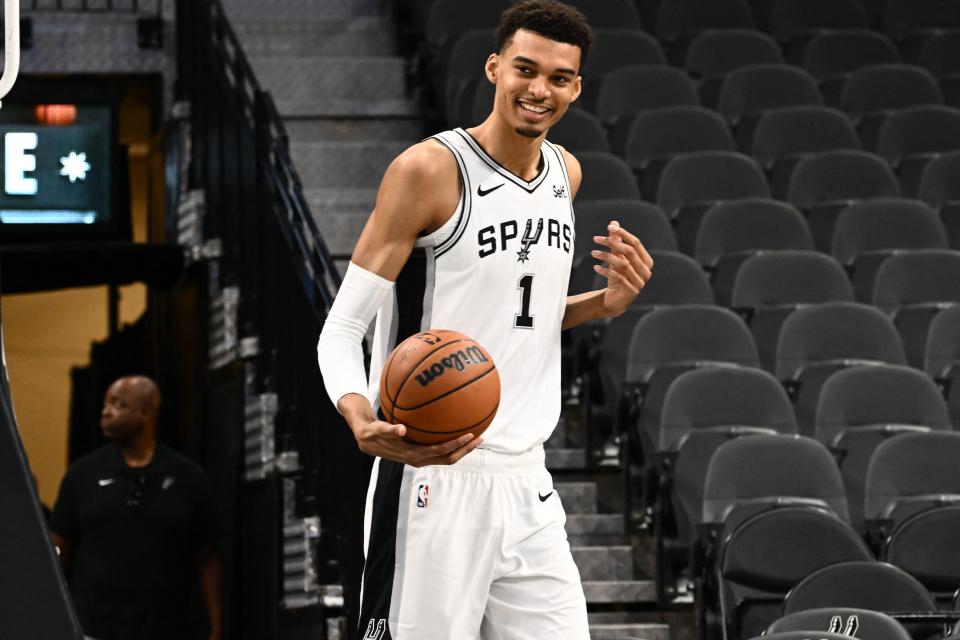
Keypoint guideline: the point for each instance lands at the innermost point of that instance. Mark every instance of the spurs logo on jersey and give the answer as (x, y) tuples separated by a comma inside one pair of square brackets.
[(497, 271), (850, 629), (375, 629)]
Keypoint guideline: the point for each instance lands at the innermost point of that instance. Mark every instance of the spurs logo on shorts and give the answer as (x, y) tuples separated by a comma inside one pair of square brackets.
[(375, 629)]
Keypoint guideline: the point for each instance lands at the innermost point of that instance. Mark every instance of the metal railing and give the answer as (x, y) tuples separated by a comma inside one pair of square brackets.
[(94, 6)]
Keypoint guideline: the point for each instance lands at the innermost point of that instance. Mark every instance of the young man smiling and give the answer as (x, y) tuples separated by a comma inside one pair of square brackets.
[(473, 231)]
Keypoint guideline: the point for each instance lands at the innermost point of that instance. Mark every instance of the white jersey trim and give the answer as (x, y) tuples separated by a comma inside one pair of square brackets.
[(527, 185)]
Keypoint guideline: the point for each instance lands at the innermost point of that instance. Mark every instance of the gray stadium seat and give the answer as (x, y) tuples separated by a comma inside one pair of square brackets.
[(609, 14), (903, 18), (793, 19), (731, 232), (940, 189), (767, 555), (847, 621), (749, 90), (877, 586), (642, 219), (716, 52), (837, 53), (914, 286), (653, 137), (910, 138), (942, 357), (818, 340), (615, 49), (681, 17), (630, 90), (448, 19), (579, 131), (868, 232), (824, 184), (770, 286), (940, 54), (693, 182), (860, 407), (465, 66), (910, 473), (925, 546), (782, 137), (784, 469), (605, 177)]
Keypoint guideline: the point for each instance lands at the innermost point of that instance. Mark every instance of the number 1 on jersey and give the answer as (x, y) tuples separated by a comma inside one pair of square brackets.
[(524, 320)]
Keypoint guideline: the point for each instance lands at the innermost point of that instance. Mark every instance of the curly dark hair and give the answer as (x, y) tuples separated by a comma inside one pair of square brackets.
[(549, 18)]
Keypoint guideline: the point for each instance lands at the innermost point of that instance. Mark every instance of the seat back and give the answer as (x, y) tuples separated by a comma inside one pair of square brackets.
[(939, 183), (903, 16), (840, 52), (673, 130), (790, 277), (943, 342), (800, 130), (642, 219), (605, 177), (886, 223), (918, 130), (750, 225), (925, 546), (917, 277), (876, 586), (760, 87), (629, 90), (579, 131), (676, 17), (841, 175), (884, 87), (709, 176), (794, 17), (851, 622), (719, 51), (616, 48)]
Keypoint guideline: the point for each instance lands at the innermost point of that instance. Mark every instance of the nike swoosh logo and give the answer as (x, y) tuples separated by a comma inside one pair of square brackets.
[(481, 192), (544, 498), (105, 481)]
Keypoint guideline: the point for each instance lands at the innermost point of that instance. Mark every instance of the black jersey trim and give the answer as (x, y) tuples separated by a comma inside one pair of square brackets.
[(566, 176), (527, 185), (411, 286), (466, 207)]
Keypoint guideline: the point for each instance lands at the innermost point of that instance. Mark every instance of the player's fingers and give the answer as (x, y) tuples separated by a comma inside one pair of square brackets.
[(454, 456), (633, 241), (446, 448), (613, 277), (633, 271), (387, 430)]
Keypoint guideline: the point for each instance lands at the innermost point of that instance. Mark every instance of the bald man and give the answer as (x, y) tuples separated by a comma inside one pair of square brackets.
[(135, 526)]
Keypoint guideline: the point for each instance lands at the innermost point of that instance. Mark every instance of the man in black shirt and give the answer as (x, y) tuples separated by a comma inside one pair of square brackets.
[(135, 526)]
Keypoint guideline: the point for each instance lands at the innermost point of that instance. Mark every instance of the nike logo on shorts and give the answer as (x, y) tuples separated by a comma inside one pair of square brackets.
[(105, 481), (544, 498)]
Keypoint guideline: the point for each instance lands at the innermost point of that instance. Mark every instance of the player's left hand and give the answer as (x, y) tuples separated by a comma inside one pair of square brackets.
[(628, 267)]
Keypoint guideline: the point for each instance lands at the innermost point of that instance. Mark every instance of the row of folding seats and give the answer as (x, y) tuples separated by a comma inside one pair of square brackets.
[(441, 21)]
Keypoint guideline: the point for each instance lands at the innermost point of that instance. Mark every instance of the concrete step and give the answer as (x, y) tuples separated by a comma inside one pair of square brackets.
[(336, 86), (410, 130), (620, 591), (560, 459), (581, 524), (299, 9), (651, 631), (349, 165), (577, 497), (340, 231), (604, 563), (357, 37)]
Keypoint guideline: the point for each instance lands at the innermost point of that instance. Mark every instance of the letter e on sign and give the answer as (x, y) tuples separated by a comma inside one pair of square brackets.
[(17, 162)]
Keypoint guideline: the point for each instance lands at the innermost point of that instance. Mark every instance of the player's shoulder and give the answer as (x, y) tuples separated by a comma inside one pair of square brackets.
[(425, 161), (573, 166)]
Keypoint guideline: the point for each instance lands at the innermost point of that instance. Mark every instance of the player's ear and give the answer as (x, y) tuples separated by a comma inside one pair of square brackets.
[(492, 67), (577, 88)]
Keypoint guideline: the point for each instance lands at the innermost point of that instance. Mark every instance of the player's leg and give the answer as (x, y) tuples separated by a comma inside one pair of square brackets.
[(536, 594)]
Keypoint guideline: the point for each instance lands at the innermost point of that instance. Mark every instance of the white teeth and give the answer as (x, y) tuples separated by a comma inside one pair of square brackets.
[(533, 108)]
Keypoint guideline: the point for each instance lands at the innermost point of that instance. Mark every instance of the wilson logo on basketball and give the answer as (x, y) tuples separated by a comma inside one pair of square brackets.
[(458, 360)]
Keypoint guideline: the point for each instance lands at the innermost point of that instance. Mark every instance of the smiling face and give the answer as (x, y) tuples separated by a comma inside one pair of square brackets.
[(537, 79)]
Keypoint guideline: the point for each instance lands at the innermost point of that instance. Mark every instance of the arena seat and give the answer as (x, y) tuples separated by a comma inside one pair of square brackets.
[(609, 14), (733, 231), (579, 131), (642, 219), (676, 18), (818, 340), (876, 586), (615, 49), (630, 90), (910, 138), (605, 177), (910, 473), (782, 137), (925, 547), (940, 189), (654, 137), (860, 407), (942, 357), (830, 56), (940, 55), (848, 621), (693, 182), (823, 184), (799, 20), (748, 90), (868, 232), (770, 286), (918, 19), (914, 286), (448, 19), (872, 93), (464, 67), (716, 52), (768, 554)]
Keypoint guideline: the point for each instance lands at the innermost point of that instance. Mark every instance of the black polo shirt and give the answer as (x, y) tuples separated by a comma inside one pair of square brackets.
[(136, 533)]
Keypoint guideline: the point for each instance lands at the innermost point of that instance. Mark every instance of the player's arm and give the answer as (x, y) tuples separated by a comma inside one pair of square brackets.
[(418, 193), (627, 268)]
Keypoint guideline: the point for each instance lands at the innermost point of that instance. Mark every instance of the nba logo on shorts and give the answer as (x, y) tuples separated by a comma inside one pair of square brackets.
[(423, 491)]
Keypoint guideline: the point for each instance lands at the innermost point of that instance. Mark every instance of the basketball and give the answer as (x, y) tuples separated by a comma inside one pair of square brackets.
[(440, 384)]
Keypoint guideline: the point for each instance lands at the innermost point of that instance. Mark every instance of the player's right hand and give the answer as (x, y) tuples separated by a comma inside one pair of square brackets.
[(378, 438)]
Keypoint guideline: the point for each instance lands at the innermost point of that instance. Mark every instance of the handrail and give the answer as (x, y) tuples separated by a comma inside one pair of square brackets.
[(11, 40)]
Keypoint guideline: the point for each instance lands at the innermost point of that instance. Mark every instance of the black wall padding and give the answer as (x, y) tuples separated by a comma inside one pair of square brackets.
[(34, 602)]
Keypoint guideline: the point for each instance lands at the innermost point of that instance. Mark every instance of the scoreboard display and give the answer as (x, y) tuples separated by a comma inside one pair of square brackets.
[(57, 164)]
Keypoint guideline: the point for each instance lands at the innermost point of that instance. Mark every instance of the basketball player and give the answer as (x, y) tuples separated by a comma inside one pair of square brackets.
[(473, 231)]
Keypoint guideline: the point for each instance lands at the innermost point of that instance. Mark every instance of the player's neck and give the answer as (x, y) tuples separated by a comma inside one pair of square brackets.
[(139, 451), (516, 153)]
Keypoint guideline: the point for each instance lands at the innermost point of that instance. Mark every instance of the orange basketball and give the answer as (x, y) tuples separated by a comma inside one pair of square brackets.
[(440, 384)]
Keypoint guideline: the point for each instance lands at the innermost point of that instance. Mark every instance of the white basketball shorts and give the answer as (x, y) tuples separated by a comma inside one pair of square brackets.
[(475, 550)]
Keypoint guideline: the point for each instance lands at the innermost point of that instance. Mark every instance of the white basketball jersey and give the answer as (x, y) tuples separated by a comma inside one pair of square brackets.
[(497, 271)]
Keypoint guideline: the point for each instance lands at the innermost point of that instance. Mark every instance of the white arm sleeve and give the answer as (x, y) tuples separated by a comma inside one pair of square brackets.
[(339, 350)]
